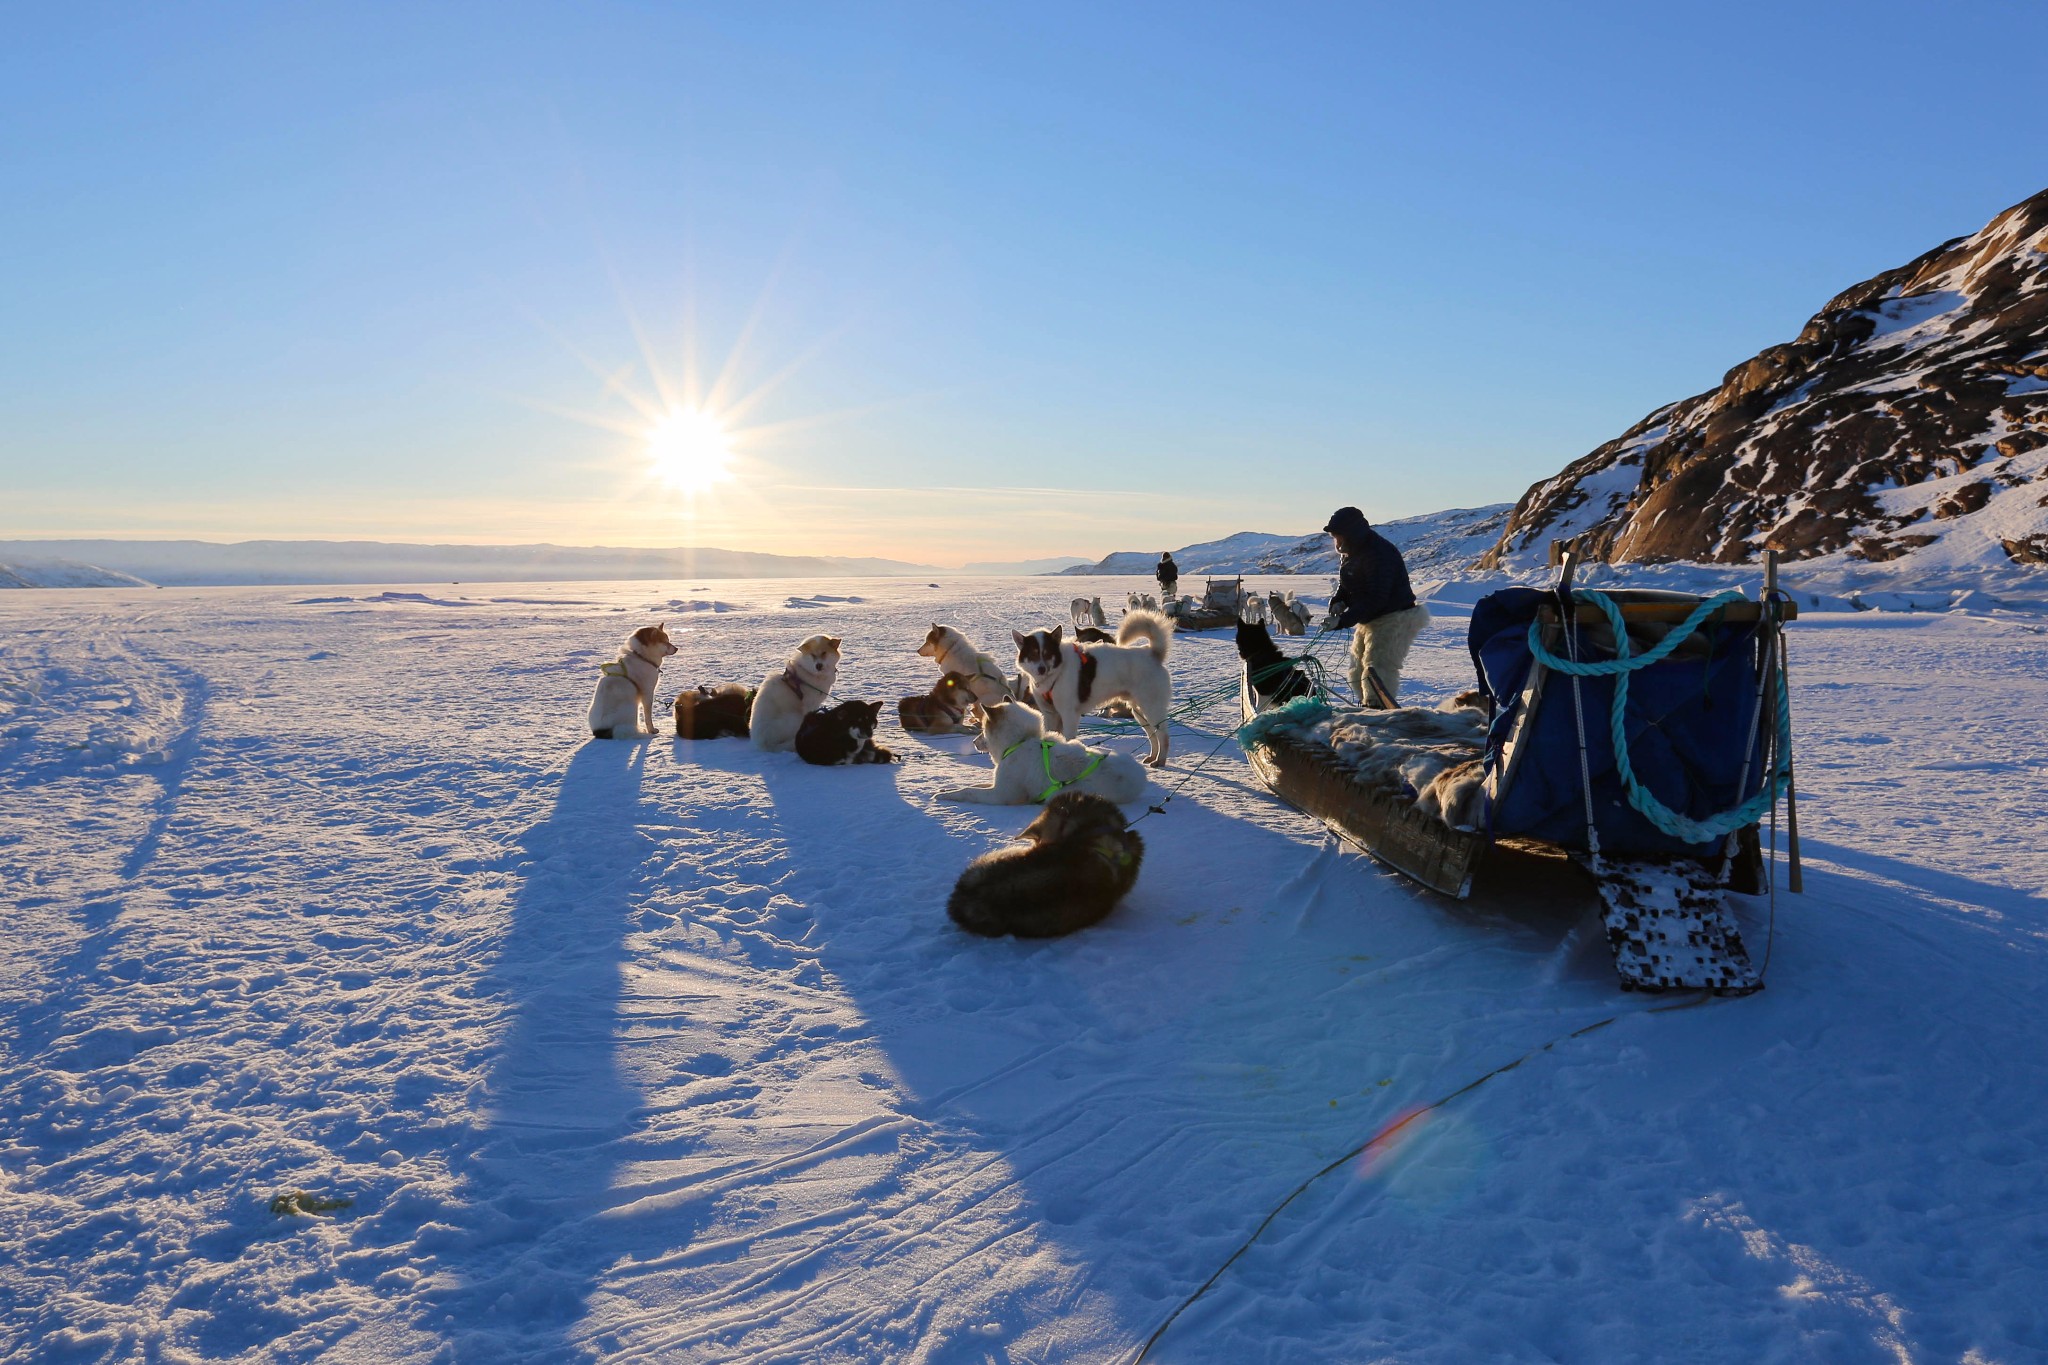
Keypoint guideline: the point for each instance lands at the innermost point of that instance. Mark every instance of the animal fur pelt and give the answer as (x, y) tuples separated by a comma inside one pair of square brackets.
[(714, 711), (1077, 861), (1434, 754), (842, 734)]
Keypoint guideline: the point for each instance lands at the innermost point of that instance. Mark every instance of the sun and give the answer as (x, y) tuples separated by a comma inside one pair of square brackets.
[(690, 450)]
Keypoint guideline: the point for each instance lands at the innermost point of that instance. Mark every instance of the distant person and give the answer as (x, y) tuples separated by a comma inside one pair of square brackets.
[(1373, 595), (1169, 578)]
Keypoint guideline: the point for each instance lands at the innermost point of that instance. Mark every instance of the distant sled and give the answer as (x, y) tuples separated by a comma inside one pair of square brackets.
[(1664, 821)]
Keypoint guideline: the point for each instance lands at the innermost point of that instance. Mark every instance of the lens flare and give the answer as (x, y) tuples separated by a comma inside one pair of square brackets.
[(1377, 1160)]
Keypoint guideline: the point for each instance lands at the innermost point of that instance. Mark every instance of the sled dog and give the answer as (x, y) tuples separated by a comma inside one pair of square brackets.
[(1086, 611), (1034, 766), (713, 711), (950, 650), (625, 686), (841, 734), (1252, 609), (792, 692), (1274, 677), (1287, 613), (1068, 681), (941, 711), (1076, 861)]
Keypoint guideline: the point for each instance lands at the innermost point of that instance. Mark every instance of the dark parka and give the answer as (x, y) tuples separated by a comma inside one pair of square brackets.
[(1169, 572), (1372, 579)]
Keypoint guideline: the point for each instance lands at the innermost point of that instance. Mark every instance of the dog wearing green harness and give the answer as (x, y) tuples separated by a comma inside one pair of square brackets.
[(1032, 767), (1075, 862)]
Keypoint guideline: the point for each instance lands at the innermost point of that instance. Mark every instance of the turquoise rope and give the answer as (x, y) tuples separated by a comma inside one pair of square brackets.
[(1619, 667)]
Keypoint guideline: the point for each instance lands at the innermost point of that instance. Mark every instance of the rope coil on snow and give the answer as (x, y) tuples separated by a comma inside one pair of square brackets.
[(1624, 663)]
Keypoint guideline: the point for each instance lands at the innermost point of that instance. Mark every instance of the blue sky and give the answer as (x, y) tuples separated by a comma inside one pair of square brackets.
[(994, 281)]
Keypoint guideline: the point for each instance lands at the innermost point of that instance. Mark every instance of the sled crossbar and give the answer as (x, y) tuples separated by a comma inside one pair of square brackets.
[(1673, 612)]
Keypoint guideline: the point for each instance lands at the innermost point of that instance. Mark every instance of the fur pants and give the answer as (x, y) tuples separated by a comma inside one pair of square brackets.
[(1383, 644)]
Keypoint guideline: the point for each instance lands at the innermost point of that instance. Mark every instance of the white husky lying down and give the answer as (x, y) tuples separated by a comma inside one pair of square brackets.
[(1032, 766)]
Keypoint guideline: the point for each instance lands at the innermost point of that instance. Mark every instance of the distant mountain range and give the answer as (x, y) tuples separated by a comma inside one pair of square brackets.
[(195, 563), (1906, 426), (1438, 543), (1048, 564)]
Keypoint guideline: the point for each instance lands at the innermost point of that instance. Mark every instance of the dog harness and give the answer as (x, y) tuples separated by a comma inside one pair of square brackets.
[(796, 684), (1112, 850), (1053, 785), (614, 669)]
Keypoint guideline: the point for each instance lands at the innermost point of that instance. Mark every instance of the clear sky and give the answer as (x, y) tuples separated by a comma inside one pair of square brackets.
[(967, 281)]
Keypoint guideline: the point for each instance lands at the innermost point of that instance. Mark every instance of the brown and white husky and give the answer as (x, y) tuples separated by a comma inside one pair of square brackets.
[(625, 687)]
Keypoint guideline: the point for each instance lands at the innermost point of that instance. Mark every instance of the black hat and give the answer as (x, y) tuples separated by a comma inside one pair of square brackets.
[(1347, 521)]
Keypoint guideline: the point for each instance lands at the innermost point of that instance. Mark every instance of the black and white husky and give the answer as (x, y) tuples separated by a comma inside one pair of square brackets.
[(842, 734), (1077, 861), (1068, 681)]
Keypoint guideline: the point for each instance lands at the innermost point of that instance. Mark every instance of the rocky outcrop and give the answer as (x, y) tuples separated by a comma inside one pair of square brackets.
[(1908, 418)]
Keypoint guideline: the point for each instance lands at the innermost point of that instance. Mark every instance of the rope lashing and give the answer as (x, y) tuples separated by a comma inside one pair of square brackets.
[(1624, 663)]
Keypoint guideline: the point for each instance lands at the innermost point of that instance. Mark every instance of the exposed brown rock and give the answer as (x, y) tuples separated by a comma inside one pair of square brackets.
[(1905, 378), (1971, 497), (2027, 550)]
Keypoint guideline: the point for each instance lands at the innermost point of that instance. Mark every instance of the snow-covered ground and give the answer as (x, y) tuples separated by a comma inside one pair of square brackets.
[(665, 1051)]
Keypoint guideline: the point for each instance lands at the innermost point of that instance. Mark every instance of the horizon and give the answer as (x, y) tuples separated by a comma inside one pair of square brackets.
[(929, 286)]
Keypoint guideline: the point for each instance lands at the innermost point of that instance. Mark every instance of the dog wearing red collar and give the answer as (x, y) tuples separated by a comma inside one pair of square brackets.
[(792, 692), (1068, 681)]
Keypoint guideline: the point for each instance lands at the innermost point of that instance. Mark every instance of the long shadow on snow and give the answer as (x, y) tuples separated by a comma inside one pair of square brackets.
[(526, 1263), (1034, 1066)]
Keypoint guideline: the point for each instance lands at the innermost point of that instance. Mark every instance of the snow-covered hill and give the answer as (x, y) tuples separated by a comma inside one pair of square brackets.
[(1906, 426), (1436, 543), (64, 573)]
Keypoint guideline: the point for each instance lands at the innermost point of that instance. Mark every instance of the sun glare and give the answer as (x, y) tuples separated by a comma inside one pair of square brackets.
[(690, 450)]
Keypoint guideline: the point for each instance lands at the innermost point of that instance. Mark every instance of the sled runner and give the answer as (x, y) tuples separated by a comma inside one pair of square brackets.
[(1637, 731)]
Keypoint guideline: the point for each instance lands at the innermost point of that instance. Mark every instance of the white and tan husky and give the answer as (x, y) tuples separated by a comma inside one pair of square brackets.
[(1032, 766), (1068, 681), (792, 692), (954, 653), (625, 686)]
